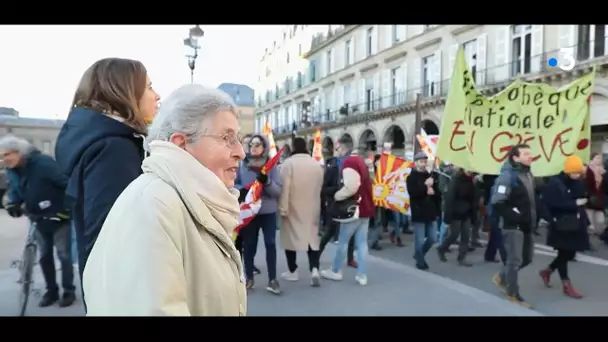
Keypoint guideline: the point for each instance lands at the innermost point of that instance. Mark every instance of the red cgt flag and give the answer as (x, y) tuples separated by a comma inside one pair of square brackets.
[(253, 201)]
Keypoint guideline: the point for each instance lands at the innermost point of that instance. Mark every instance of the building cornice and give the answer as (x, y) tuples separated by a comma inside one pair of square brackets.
[(329, 41)]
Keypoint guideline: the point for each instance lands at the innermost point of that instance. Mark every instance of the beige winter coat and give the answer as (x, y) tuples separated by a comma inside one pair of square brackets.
[(165, 248), (300, 202)]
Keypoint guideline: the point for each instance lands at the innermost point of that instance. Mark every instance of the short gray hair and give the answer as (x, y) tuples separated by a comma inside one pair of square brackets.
[(185, 111), (15, 144)]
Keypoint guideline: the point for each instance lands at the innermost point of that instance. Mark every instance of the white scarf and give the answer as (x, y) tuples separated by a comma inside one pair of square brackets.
[(196, 184)]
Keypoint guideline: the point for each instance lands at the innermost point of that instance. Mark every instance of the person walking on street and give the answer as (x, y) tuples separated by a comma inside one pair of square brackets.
[(594, 182), (40, 187), (460, 213), (331, 184), (564, 198), (514, 202), (424, 203), (300, 206), (356, 185), (495, 240), (266, 219)]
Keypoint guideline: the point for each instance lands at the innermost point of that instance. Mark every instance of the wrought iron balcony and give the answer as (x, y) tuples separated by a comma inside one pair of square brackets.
[(489, 81)]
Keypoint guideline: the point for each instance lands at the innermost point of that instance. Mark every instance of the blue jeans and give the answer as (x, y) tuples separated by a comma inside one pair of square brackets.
[(267, 223), (495, 243), (425, 235), (400, 221), (359, 228), (52, 235), (74, 249)]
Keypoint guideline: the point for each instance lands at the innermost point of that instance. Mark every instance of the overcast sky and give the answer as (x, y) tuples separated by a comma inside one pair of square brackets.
[(40, 66)]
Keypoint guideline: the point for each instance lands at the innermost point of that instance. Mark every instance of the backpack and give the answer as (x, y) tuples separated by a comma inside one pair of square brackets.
[(513, 184)]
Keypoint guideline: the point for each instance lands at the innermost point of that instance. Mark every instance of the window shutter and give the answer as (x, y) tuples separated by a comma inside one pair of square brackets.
[(376, 93), (437, 72), (361, 92), (502, 69), (417, 77), (338, 58), (362, 45), (537, 59), (322, 103), (402, 32), (322, 62), (453, 50), (386, 89), (339, 94), (351, 50), (375, 40), (387, 31), (482, 42), (402, 96), (334, 60)]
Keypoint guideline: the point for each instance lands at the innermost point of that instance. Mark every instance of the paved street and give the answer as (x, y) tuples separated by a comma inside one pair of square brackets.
[(395, 287), (589, 275)]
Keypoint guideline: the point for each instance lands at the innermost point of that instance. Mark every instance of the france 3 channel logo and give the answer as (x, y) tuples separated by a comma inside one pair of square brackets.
[(565, 62)]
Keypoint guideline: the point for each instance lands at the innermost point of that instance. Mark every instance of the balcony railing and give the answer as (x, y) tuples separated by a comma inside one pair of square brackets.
[(494, 77)]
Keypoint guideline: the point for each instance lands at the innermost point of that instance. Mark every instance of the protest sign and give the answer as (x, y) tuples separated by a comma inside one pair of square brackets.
[(477, 132), (390, 190)]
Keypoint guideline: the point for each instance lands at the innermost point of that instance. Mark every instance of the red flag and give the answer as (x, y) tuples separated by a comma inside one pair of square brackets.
[(253, 201)]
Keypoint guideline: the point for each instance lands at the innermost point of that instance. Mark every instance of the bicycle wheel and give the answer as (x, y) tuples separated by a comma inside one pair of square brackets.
[(27, 270)]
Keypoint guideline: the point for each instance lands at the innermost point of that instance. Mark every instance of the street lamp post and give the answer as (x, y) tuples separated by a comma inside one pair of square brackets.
[(192, 42)]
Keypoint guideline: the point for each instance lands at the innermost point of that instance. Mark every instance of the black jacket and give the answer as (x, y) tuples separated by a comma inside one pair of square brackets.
[(559, 197), (511, 201), (40, 185), (331, 185), (101, 156), (461, 200), (425, 208)]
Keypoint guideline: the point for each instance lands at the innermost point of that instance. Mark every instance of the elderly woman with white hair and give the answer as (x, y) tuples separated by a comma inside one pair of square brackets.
[(165, 248)]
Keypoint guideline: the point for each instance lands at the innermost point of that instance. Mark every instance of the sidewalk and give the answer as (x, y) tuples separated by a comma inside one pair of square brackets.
[(393, 290)]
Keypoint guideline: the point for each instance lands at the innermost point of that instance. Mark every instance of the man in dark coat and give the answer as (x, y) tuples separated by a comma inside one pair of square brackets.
[(514, 203), (425, 203), (39, 186), (460, 213)]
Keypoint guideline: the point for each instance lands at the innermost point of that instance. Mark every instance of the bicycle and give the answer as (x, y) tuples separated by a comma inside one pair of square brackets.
[(26, 270)]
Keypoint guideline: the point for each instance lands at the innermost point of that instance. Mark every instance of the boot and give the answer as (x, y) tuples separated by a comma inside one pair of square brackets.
[(570, 291), (546, 276)]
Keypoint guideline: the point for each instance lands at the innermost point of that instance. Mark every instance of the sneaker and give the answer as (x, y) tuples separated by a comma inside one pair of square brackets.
[(250, 285), (48, 299), (67, 299), (290, 276), (274, 287), (331, 275), (518, 299), (498, 281), (315, 278), (361, 279)]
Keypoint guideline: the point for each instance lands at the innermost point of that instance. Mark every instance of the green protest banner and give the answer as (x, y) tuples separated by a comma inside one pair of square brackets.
[(477, 131)]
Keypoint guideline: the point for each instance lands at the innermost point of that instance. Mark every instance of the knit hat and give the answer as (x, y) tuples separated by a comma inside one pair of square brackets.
[(574, 164), (420, 156)]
